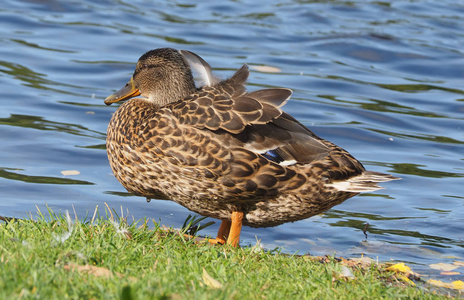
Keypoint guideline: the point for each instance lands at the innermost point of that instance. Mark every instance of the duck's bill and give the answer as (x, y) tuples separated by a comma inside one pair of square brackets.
[(128, 91)]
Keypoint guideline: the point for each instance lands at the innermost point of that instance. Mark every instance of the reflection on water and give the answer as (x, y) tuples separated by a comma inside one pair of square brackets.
[(13, 175), (413, 169), (430, 240), (30, 78), (39, 123), (382, 80)]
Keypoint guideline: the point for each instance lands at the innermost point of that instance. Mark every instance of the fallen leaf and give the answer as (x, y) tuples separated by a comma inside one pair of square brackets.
[(399, 268), (346, 273), (443, 267), (449, 273), (438, 283), (406, 279), (267, 69), (457, 285), (405, 272), (458, 263), (210, 281), (92, 270), (70, 172)]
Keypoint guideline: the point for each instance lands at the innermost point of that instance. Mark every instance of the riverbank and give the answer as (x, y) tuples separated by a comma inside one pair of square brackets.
[(58, 257)]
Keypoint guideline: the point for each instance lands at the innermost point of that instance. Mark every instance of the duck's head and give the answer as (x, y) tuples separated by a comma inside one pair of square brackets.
[(161, 76)]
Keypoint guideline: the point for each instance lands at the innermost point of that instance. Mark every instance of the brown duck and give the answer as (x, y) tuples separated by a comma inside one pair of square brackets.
[(223, 152)]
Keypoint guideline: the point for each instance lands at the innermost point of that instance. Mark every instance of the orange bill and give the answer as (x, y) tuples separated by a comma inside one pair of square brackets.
[(128, 91)]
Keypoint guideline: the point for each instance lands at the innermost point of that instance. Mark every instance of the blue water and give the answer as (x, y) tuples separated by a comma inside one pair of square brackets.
[(383, 80)]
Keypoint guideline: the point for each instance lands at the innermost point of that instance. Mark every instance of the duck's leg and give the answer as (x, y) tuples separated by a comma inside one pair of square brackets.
[(229, 231), (235, 228), (222, 234), (223, 231)]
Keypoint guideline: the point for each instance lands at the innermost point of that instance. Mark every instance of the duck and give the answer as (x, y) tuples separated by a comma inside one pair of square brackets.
[(222, 151)]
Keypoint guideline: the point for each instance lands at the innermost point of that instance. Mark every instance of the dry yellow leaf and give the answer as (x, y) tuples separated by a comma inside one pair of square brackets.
[(70, 172), (437, 283), (443, 267), (457, 285), (448, 273), (399, 268), (210, 281), (458, 263), (406, 279), (92, 270), (266, 69)]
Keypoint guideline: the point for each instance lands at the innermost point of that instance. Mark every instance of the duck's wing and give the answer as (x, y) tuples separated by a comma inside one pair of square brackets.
[(285, 140), (253, 120), (228, 106)]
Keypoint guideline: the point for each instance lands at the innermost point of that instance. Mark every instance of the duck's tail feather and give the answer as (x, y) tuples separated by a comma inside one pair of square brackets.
[(365, 182)]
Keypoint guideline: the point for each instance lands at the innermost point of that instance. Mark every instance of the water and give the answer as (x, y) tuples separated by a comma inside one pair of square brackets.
[(383, 80)]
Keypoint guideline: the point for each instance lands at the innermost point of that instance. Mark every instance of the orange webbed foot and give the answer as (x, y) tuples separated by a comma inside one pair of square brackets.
[(229, 231)]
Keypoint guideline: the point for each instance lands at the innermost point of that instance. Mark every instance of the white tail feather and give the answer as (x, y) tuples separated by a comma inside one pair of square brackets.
[(366, 182)]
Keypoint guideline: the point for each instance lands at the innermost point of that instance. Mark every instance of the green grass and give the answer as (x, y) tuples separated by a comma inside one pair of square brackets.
[(41, 259)]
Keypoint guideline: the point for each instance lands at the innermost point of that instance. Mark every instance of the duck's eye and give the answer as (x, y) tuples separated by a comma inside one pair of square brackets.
[(146, 66)]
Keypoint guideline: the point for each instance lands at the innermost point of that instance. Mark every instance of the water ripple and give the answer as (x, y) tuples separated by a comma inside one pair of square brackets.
[(381, 79)]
